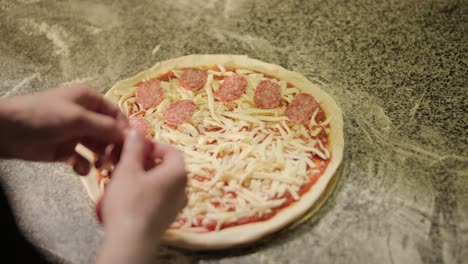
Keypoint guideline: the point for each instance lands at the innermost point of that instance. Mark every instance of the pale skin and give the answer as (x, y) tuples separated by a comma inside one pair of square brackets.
[(141, 200)]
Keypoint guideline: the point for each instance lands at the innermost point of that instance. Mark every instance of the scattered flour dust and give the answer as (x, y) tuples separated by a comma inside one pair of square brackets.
[(60, 38), (55, 33), (156, 49), (29, 1)]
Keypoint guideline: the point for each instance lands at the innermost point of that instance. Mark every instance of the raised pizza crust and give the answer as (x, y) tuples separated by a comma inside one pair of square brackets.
[(242, 234)]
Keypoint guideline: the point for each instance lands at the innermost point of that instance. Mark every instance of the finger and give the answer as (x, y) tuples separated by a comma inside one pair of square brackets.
[(94, 101), (162, 149), (133, 155), (172, 165), (169, 156), (98, 209), (65, 150), (71, 160), (115, 152), (109, 157), (99, 127), (122, 121), (150, 162), (96, 146), (89, 98), (159, 150), (79, 164), (103, 161)]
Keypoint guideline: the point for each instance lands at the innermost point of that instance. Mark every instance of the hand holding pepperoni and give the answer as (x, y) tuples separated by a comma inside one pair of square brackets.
[(141, 202), (47, 126)]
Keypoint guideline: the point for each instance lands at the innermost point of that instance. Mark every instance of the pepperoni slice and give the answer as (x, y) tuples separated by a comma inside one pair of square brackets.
[(267, 95), (179, 112), (193, 79), (301, 109), (231, 89), (149, 93), (140, 123)]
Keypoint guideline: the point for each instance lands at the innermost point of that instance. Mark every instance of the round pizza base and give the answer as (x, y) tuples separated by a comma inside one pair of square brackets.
[(243, 234)]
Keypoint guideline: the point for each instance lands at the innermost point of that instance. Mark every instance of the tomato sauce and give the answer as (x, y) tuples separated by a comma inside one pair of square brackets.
[(320, 116), (167, 76), (213, 129)]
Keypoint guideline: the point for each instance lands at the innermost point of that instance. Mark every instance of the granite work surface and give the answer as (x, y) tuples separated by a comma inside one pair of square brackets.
[(398, 69)]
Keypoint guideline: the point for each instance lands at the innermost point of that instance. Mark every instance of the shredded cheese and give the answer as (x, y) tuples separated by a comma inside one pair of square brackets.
[(242, 160)]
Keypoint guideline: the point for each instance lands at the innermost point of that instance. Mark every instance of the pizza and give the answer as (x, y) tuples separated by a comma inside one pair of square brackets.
[(261, 143)]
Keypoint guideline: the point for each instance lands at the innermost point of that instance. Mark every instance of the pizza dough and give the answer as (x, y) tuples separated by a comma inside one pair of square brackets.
[(300, 109)]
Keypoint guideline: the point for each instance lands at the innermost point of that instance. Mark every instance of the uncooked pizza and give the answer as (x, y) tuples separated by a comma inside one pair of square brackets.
[(261, 143)]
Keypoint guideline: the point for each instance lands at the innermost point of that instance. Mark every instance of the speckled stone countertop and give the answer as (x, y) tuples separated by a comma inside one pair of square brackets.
[(397, 69)]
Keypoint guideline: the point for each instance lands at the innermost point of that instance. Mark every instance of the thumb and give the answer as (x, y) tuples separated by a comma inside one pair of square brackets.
[(133, 151), (98, 209)]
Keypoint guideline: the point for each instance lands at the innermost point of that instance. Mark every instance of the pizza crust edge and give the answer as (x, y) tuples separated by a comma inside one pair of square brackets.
[(243, 234)]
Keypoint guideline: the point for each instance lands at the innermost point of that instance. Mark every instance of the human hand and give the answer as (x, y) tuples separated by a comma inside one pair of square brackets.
[(140, 202), (47, 126)]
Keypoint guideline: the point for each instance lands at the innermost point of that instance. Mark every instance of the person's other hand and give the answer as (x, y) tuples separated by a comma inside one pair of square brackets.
[(47, 126), (140, 202)]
